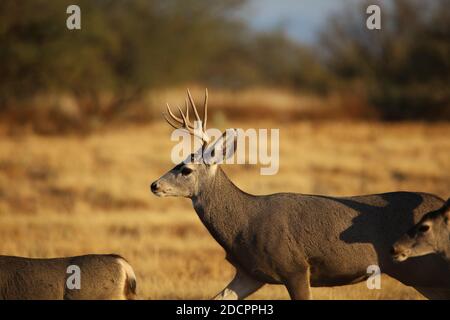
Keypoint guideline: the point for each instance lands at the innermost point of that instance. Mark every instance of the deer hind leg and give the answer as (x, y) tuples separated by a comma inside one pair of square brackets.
[(239, 288), (298, 286)]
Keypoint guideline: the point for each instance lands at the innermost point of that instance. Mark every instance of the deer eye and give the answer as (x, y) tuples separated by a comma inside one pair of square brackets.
[(186, 171), (424, 228)]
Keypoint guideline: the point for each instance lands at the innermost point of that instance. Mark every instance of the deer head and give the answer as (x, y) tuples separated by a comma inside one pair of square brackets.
[(190, 176), (429, 235)]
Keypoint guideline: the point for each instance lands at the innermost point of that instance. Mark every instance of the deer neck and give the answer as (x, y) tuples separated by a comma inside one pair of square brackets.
[(223, 208)]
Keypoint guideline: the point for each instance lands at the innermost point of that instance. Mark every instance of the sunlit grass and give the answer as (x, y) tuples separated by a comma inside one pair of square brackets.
[(72, 195)]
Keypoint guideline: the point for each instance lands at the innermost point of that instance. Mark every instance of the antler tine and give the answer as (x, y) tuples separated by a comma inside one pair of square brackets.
[(186, 122), (205, 110), (172, 115), (187, 108), (193, 106), (177, 119), (187, 115), (170, 123)]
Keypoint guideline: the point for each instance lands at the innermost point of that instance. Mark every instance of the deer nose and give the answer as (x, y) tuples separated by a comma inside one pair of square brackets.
[(400, 252), (397, 249), (154, 186)]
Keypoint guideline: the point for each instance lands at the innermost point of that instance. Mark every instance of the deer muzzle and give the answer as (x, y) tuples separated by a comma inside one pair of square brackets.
[(400, 252)]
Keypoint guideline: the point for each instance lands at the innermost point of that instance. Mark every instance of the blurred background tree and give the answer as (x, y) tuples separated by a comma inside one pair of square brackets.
[(404, 67), (126, 48)]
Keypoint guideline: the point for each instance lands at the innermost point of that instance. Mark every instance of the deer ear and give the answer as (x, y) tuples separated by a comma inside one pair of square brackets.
[(222, 149)]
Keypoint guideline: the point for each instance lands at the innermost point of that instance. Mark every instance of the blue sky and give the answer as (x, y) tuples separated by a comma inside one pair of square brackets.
[(301, 19)]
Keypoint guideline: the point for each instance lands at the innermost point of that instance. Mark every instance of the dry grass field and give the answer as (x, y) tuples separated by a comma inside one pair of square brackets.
[(73, 195)]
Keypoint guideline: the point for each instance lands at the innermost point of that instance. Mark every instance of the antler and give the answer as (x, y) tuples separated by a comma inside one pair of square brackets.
[(185, 123)]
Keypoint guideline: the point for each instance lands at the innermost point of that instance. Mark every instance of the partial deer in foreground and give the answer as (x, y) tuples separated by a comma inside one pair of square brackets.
[(103, 277), (430, 235), (298, 240)]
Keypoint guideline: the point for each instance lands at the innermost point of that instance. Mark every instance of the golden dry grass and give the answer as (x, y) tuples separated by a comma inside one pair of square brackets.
[(72, 195)]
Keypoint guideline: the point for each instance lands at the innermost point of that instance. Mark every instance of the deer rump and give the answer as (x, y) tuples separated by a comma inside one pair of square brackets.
[(102, 277)]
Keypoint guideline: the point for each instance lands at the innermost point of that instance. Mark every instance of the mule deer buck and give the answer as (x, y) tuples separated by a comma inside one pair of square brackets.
[(297, 240), (430, 235), (101, 277)]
